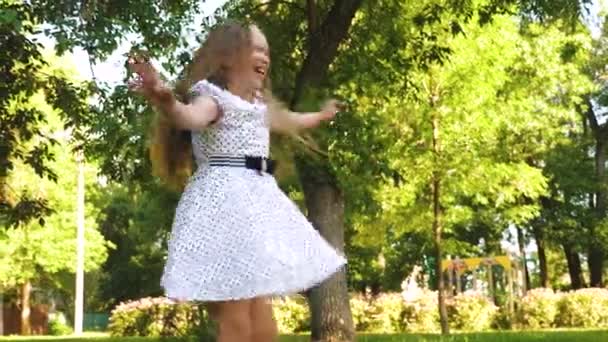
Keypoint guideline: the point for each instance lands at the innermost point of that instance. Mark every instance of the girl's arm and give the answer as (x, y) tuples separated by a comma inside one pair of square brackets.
[(193, 116), (284, 121)]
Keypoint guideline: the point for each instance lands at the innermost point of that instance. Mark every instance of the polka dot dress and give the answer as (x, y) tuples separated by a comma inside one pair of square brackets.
[(236, 235)]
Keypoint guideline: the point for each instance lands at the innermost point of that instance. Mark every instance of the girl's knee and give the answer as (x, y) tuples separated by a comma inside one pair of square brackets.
[(233, 320), (263, 324), (265, 332), (237, 323)]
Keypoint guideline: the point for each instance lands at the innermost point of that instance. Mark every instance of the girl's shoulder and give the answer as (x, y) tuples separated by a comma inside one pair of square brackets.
[(224, 96)]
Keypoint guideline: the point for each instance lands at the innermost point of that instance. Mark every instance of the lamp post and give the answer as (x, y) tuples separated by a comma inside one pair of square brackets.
[(80, 241)]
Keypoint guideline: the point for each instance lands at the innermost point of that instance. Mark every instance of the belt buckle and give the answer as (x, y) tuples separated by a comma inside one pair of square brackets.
[(264, 165)]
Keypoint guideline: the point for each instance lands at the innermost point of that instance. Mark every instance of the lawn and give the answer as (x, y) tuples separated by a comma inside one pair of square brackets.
[(538, 336)]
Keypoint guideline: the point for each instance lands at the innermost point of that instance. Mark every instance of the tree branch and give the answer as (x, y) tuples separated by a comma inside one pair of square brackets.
[(276, 2), (324, 43), (313, 15), (591, 117), (599, 131)]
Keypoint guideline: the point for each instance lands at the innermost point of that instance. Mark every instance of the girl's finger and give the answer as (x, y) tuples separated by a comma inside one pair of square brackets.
[(135, 68), (134, 86)]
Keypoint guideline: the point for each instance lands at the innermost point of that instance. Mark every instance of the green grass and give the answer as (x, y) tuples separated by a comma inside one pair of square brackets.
[(511, 336), (544, 336)]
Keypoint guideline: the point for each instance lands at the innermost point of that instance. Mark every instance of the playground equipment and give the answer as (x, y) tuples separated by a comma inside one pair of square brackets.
[(489, 275)]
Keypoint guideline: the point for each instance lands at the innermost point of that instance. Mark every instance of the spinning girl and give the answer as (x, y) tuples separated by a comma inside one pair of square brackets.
[(237, 239)]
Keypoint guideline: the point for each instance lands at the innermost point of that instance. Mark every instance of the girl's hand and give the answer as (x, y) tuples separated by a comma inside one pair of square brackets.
[(330, 109), (147, 81)]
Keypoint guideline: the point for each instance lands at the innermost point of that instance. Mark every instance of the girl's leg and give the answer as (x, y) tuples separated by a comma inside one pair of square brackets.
[(233, 320), (263, 325)]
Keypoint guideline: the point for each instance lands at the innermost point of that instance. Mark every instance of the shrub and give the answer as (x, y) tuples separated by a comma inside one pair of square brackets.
[(503, 319), (471, 311), (585, 308), (387, 313), (156, 317), (361, 308), (420, 314), (291, 314), (370, 314), (538, 308), (58, 325)]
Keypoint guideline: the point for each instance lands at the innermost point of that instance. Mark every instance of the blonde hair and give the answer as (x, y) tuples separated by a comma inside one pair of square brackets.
[(170, 147)]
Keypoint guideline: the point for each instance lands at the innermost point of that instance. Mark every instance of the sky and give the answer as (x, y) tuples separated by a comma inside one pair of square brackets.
[(593, 19), (112, 70)]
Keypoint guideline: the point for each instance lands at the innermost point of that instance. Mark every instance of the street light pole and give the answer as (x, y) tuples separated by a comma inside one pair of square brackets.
[(80, 241)]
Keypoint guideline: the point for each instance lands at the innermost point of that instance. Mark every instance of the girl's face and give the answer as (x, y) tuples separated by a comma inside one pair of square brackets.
[(251, 68)]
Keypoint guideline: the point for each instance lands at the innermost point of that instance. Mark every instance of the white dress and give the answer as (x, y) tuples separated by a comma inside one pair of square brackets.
[(236, 235)]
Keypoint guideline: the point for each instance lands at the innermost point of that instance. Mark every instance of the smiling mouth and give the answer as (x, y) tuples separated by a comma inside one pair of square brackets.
[(260, 71)]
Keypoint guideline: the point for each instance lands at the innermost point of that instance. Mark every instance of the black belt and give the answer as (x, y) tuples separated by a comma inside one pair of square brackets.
[(261, 164)]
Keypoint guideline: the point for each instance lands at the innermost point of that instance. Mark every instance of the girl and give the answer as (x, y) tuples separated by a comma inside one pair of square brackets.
[(236, 238)]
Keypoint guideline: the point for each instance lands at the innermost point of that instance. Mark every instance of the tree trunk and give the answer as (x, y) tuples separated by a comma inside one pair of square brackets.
[(1, 313), (596, 265), (438, 225), (542, 256), (574, 267), (521, 241), (596, 251), (331, 318), (329, 303), (437, 230), (323, 44), (26, 289)]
